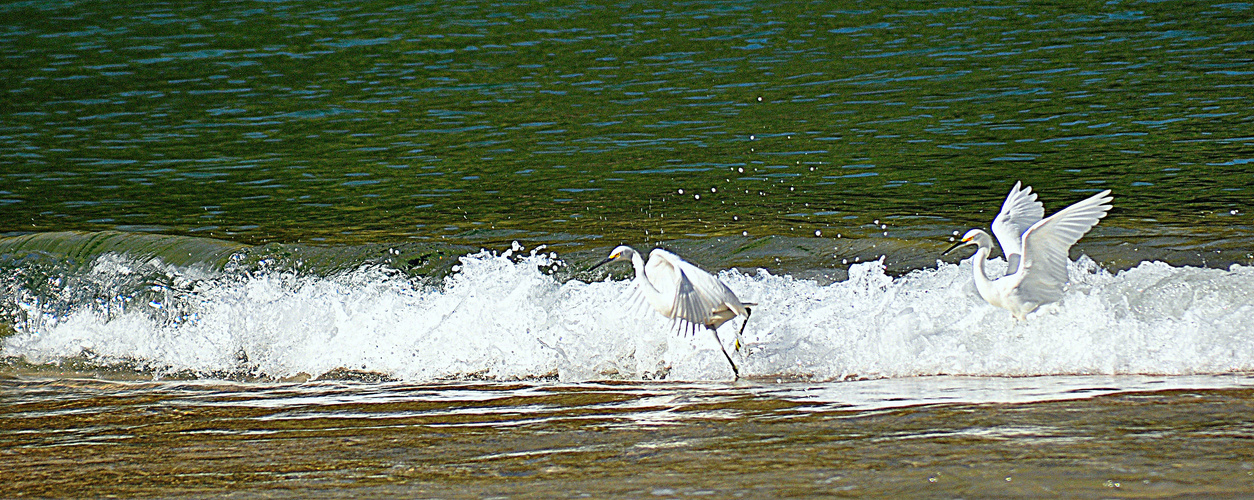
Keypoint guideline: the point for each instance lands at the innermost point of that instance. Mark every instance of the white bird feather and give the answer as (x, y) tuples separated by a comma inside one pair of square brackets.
[(1040, 276), (689, 296)]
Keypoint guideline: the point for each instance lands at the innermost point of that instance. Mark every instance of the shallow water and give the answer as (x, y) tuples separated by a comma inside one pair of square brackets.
[(338, 248), (1078, 437)]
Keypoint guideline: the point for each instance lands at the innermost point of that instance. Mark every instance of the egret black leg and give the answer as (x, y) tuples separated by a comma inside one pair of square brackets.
[(735, 371), (748, 312)]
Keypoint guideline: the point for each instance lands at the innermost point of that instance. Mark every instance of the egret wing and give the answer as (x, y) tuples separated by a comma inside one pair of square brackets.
[(1018, 213), (1046, 244), (697, 294), (692, 309), (710, 287), (663, 270), (636, 300), (718, 301)]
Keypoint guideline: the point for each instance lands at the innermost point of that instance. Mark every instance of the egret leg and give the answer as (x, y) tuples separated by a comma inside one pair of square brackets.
[(735, 371), (748, 312)]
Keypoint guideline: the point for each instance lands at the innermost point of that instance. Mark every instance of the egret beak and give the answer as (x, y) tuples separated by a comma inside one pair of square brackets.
[(602, 263), (956, 245)]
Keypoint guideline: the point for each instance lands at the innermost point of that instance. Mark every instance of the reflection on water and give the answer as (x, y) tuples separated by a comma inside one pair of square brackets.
[(581, 125), (1078, 437)]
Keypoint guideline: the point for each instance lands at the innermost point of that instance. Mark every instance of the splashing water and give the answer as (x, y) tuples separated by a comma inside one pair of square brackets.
[(502, 317)]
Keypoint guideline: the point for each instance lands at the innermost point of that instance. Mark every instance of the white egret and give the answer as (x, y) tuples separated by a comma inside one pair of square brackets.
[(1018, 213), (690, 297), (1039, 265)]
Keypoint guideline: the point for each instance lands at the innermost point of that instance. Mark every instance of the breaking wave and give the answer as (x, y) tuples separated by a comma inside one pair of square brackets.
[(507, 316)]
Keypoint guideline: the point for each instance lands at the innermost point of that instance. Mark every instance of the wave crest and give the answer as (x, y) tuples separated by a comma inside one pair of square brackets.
[(506, 317)]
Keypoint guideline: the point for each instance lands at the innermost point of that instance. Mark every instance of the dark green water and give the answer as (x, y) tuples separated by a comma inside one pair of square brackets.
[(577, 125)]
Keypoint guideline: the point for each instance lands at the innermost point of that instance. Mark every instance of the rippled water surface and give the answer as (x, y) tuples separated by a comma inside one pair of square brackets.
[(328, 249), (579, 124), (1071, 437)]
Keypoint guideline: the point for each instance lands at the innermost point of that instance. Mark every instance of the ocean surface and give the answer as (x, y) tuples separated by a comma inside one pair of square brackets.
[(269, 249)]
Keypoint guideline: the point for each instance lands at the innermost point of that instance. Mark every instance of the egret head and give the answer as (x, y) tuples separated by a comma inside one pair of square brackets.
[(973, 237), (621, 252)]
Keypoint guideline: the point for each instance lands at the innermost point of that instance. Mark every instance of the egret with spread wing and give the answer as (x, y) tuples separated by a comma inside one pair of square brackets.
[(690, 297), (1018, 213), (1040, 269)]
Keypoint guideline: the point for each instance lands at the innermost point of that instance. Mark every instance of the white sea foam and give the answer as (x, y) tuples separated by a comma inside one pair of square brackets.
[(500, 317)]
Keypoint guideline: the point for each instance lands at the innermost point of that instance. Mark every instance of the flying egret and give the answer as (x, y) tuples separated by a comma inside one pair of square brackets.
[(690, 297), (1040, 268)]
